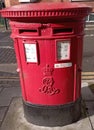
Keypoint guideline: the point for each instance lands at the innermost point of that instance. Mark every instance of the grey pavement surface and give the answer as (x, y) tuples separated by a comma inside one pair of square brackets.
[(88, 52), (11, 109), (9, 79), (15, 120)]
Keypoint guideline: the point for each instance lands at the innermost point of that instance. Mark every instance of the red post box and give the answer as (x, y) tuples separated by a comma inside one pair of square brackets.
[(48, 40)]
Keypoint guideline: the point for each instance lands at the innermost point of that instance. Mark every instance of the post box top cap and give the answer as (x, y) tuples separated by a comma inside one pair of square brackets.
[(46, 10)]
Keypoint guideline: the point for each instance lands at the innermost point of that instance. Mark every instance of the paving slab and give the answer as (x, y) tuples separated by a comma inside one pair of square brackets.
[(87, 95), (7, 54), (7, 94), (90, 111), (5, 36), (0, 89), (11, 68), (15, 120), (9, 83), (2, 112), (0, 123)]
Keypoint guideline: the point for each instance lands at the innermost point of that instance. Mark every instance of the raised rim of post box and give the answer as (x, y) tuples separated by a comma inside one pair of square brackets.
[(44, 11)]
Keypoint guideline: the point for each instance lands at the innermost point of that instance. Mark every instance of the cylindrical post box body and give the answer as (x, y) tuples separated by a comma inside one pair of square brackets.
[(48, 40)]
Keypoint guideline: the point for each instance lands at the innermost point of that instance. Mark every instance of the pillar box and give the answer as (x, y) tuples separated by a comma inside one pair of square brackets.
[(48, 41)]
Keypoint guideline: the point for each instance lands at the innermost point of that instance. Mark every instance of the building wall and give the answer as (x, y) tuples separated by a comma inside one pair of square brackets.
[(9, 3), (90, 4), (87, 2)]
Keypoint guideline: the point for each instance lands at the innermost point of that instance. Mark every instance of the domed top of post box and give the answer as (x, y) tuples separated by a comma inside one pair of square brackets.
[(46, 12)]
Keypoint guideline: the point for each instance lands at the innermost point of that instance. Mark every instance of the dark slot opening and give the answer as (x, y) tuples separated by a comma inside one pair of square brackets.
[(27, 31), (62, 30)]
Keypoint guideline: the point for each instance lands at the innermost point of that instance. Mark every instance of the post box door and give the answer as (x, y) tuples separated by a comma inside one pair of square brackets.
[(48, 76)]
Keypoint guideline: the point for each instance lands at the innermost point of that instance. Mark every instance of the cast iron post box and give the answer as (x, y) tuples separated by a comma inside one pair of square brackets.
[(48, 40)]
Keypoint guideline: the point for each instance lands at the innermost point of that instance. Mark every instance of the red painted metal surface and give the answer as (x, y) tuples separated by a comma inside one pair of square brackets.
[(46, 12), (48, 41)]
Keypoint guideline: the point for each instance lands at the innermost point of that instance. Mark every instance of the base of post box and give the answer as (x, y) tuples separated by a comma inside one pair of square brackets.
[(52, 115)]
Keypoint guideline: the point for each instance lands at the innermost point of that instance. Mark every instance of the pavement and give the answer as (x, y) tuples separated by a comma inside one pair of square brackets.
[(11, 107)]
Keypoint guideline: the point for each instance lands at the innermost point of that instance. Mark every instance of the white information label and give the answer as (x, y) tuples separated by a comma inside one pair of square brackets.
[(63, 50), (63, 65), (31, 52), (24, 0)]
